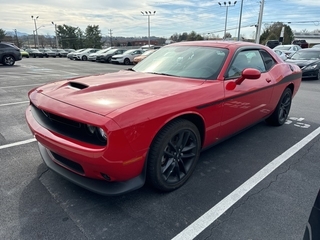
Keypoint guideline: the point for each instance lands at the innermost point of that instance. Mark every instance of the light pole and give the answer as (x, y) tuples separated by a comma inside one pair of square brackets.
[(226, 5), (36, 29), (148, 14), (55, 29)]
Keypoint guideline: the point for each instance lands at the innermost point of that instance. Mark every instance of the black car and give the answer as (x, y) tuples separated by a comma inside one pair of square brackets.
[(35, 53), (9, 54), (308, 59), (272, 43)]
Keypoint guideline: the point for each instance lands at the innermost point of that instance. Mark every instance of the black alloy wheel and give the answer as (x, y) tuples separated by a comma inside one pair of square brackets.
[(281, 113), (173, 155), (84, 58)]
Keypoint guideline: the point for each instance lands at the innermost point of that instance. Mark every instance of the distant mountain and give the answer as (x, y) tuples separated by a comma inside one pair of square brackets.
[(13, 34)]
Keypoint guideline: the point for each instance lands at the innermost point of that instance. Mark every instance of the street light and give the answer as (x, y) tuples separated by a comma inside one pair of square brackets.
[(36, 29), (55, 29), (149, 14), (226, 5)]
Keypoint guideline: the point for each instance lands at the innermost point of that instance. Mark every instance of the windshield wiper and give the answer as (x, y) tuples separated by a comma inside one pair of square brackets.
[(163, 74)]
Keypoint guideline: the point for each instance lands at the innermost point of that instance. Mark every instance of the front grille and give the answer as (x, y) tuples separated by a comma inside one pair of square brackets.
[(68, 163), (66, 127)]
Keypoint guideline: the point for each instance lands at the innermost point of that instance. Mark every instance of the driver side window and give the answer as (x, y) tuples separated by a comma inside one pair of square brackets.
[(246, 59)]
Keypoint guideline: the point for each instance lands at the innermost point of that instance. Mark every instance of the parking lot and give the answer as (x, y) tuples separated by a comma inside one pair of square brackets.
[(260, 184)]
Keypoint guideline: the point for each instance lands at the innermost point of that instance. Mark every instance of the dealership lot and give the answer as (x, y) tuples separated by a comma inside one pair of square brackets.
[(39, 204)]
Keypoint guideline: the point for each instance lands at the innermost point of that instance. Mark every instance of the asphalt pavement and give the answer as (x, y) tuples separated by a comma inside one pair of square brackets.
[(230, 196)]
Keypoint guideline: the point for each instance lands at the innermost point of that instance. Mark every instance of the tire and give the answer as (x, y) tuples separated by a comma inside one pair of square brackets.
[(281, 113), (109, 60), (84, 58), (8, 60), (126, 61), (173, 155), (318, 77)]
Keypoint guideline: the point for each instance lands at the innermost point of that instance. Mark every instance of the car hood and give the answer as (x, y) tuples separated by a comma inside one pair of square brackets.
[(302, 63), (103, 94)]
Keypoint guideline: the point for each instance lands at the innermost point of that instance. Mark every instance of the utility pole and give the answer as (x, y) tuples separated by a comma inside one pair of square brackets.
[(110, 33), (15, 31), (260, 21), (55, 29), (240, 17)]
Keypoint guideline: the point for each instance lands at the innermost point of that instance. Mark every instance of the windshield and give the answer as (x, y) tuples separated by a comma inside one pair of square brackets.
[(306, 55), (184, 61)]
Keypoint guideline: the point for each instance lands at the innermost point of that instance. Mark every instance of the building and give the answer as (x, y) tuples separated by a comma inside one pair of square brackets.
[(311, 37)]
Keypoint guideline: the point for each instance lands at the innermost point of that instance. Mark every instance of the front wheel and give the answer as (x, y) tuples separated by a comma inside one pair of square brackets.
[(126, 61), (84, 58), (281, 113), (173, 155)]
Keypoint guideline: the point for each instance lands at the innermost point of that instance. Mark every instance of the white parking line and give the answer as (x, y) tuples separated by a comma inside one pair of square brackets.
[(29, 85), (9, 104), (215, 212), (17, 143)]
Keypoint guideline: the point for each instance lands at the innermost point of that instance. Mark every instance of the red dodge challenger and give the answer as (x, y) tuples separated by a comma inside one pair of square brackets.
[(110, 133)]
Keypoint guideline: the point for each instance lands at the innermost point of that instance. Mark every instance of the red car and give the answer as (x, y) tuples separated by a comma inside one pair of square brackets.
[(111, 133)]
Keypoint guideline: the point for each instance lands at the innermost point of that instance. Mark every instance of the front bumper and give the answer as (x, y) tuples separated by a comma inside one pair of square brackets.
[(94, 185), (310, 73)]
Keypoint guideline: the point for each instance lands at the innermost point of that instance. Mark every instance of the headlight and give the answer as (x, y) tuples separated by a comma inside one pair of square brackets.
[(310, 67), (102, 133)]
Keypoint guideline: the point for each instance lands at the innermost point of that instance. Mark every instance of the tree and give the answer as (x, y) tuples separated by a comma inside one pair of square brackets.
[(193, 36), (2, 34), (273, 33), (67, 36), (93, 37)]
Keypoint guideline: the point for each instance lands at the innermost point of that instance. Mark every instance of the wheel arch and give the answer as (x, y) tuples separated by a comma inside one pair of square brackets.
[(195, 118)]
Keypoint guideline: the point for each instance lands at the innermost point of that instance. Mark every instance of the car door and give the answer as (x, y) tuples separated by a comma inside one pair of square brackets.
[(248, 102)]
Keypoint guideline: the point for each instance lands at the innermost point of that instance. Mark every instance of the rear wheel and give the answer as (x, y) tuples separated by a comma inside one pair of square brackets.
[(84, 58), (8, 60), (173, 155), (281, 113)]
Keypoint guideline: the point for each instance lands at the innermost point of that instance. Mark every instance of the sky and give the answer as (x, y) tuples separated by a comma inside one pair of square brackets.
[(124, 18)]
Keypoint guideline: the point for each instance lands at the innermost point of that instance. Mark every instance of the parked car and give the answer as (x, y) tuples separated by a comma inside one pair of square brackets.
[(48, 53), (71, 54), (83, 55), (9, 54), (126, 57), (288, 49), (112, 132), (281, 54), (301, 42), (93, 56), (36, 53), (308, 60), (143, 56), (316, 46), (106, 57), (24, 53), (272, 43), (61, 52)]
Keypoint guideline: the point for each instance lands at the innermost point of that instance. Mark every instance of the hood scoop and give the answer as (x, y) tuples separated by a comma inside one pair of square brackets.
[(77, 85)]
